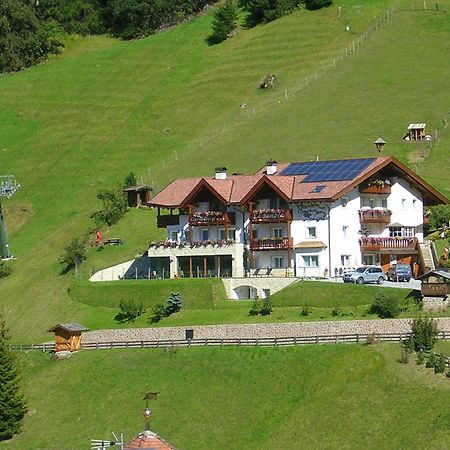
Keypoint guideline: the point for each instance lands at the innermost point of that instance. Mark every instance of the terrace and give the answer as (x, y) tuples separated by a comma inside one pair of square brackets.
[(273, 243), (271, 215), (370, 244), (375, 216), (211, 218)]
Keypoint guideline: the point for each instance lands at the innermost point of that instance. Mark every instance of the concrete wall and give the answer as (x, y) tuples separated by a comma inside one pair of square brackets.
[(237, 287)]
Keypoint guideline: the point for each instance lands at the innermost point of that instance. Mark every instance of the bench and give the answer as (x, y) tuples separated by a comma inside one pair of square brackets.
[(113, 241)]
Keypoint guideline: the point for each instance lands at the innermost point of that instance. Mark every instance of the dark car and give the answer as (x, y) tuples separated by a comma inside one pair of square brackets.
[(399, 272)]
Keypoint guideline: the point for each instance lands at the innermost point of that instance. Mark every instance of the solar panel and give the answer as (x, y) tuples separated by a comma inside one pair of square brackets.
[(339, 170)]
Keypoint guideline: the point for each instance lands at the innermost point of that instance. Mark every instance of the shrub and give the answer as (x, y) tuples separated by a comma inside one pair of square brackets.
[(224, 22), (5, 270), (384, 306), (305, 311), (409, 344), (130, 309), (371, 339), (266, 308), (424, 333), (336, 311), (255, 308), (73, 254), (420, 358), (159, 311), (114, 207), (174, 303), (440, 364), (404, 358), (130, 181), (431, 363)]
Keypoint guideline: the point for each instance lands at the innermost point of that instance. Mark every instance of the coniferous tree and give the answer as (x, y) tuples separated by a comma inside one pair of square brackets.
[(12, 404), (224, 22)]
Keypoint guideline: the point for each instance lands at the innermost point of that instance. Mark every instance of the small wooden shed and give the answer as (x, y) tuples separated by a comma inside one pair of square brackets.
[(416, 132), (138, 195), (68, 336), (435, 283)]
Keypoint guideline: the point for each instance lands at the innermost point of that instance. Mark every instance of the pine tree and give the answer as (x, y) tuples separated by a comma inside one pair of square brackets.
[(12, 404), (224, 22)]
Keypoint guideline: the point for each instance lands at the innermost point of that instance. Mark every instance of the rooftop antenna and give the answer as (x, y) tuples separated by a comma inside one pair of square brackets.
[(101, 444), (147, 411), (8, 187)]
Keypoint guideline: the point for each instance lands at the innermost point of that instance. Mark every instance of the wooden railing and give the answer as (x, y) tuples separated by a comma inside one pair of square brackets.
[(375, 189), (388, 243), (435, 289), (209, 218), (271, 215), (271, 243), (166, 220), (253, 342), (375, 216)]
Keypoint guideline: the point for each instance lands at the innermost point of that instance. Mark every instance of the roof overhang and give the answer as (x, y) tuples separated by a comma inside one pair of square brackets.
[(264, 180), (200, 185)]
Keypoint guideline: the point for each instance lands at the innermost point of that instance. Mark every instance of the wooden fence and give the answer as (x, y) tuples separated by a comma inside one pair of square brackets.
[(247, 342)]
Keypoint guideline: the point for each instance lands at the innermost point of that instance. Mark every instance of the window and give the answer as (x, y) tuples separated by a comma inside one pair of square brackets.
[(317, 189), (311, 232), (408, 231), (311, 261), (372, 203), (344, 231), (278, 262), (384, 203), (344, 201), (365, 201), (414, 204), (345, 260), (368, 260), (231, 234), (204, 235), (403, 203), (277, 232), (401, 231), (173, 235)]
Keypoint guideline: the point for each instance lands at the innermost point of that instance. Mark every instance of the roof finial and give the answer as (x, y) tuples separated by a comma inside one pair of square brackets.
[(147, 411), (379, 144)]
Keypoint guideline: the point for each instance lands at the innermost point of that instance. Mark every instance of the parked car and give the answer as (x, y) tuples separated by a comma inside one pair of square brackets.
[(365, 274), (399, 272)]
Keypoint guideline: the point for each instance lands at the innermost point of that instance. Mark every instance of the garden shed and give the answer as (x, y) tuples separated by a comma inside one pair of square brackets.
[(435, 289), (416, 132), (68, 336), (138, 195)]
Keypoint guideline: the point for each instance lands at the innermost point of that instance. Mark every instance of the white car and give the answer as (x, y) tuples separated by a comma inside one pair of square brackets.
[(365, 274)]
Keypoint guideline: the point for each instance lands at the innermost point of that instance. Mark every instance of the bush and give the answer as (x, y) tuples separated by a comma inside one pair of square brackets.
[(114, 207), (424, 333), (420, 358), (130, 309), (305, 311), (5, 270), (404, 359), (255, 308), (440, 364), (159, 311), (73, 254), (174, 303), (384, 306), (336, 311), (266, 308), (431, 363), (224, 22), (371, 339)]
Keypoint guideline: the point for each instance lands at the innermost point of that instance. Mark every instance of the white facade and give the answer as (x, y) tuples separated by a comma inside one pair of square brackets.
[(325, 236)]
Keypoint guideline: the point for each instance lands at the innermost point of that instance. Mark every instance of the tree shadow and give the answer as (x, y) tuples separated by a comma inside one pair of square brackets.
[(124, 318)]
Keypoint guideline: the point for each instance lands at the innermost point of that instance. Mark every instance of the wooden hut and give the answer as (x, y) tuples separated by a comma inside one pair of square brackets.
[(138, 195), (416, 132), (435, 289), (67, 336)]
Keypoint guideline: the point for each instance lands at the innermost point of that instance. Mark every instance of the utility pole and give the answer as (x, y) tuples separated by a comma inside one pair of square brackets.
[(8, 187)]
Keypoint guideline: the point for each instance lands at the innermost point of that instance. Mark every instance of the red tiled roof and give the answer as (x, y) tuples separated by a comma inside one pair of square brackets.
[(237, 188), (150, 441)]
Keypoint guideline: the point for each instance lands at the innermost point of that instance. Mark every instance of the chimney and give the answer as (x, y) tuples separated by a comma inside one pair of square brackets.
[(271, 167), (221, 173)]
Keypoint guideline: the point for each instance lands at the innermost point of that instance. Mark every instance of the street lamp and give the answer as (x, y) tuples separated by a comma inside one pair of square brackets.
[(379, 144), (8, 187)]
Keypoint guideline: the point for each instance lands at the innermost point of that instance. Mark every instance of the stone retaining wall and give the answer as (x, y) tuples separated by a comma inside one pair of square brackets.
[(259, 330)]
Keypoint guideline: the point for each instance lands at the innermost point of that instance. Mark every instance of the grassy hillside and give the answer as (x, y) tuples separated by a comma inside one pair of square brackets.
[(84, 120), (314, 397)]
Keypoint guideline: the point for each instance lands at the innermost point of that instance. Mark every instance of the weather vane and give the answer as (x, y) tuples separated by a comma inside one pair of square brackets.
[(8, 187), (147, 411)]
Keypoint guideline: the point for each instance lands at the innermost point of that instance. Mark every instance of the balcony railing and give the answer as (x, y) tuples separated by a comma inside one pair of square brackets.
[(375, 216), (281, 243), (166, 220), (375, 188), (435, 289), (271, 215), (370, 244), (211, 218)]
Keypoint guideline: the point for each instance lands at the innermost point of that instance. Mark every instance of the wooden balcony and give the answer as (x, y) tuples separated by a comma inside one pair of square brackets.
[(211, 218), (435, 289), (282, 243), (388, 243), (375, 189), (166, 220), (271, 215), (375, 216)]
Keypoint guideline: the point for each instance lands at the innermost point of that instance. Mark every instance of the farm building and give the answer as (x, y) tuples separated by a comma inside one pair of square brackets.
[(68, 336)]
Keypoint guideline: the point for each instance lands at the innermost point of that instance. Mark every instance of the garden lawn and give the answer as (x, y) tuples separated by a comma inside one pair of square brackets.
[(352, 396)]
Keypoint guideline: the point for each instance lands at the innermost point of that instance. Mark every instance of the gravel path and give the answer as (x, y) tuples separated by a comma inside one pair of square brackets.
[(259, 330)]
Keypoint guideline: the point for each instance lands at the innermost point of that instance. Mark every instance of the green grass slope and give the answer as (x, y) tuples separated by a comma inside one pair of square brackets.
[(168, 106), (314, 397)]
